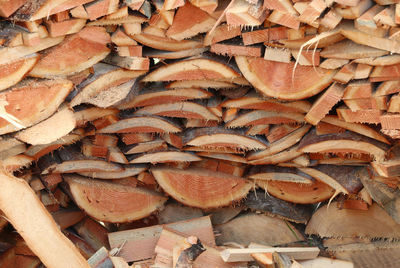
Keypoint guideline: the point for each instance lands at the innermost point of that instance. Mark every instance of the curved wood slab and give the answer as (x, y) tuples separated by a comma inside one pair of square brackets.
[(347, 142), (12, 73), (44, 98), (164, 43), (274, 79), (192, 69), (260, 117), (221, 137), (200, 187), (257, 228), (142, 124), (165, 157), (76, 53), (165, 96), (49, 130), (298, 193), (111, 202), (335, 222)]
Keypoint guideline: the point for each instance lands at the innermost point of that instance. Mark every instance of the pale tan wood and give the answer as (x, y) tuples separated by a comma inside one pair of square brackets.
[(335, 222), (303, 253), (49, 130), (277, 54), (40, 233), (244, 13)]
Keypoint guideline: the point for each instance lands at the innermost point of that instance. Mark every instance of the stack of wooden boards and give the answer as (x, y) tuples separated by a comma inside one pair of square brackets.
[(199, 133)]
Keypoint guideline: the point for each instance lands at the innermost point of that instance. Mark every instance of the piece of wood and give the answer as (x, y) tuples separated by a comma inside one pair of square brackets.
[(235, 50), (264, 35), (51, 92), (49, 130), (297, 83), (219, 137), (14, 72), (346, 142), (189, 20), (116, 205), (371, 116), (367, 24), (346, 73), (201, 197), (374, 222), (324, 104), (301, 253), (284, 19), (192, 69), (64, 60), (33, 232)]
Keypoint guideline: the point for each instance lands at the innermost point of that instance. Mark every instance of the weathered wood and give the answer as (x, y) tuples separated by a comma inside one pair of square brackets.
[(257, 228), (374, 222)]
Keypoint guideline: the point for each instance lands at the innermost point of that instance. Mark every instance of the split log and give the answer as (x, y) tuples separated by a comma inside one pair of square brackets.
[(49, 92), (8, 7), (50, 130), (128, 171), (299, 193), (219, 137), (335, 222), (257, 117), (346, 142), (189, 110), (192, 69), (294, 84), (348, 49), (12, 73), (35, 232), (255, 102), (224, 190), (142, 124), (64, 59), (281, 144), (105, 77), (257, 228), (112, 202), (221, 33), (164, 157), (164, 43), (324, 104), (142, 147), (189, 20)]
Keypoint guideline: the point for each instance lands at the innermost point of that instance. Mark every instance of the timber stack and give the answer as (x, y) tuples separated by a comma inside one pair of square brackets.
[(199, 133)]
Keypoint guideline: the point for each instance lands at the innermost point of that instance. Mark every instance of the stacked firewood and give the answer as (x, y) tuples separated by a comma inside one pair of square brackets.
[(199, 133)]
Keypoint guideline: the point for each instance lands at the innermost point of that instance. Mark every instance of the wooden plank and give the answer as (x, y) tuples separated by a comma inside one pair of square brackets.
[(303, 253)]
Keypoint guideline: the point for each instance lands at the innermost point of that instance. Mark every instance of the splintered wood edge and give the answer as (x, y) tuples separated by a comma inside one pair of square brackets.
[(244, 67), (224, 201), (16, 196), (153, 200)]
